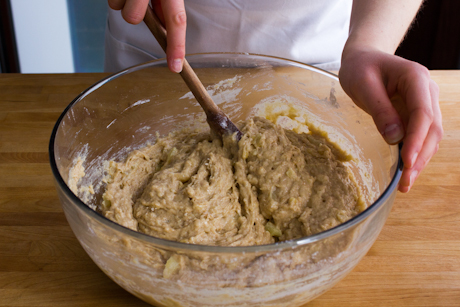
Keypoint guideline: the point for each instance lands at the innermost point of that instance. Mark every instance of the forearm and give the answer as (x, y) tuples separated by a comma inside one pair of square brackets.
[(380, 24)]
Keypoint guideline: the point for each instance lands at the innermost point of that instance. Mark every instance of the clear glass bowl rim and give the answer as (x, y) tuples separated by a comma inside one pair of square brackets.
[(381, 200)]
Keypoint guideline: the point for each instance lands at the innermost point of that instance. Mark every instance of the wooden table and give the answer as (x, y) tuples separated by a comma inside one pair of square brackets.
[(415, 261)]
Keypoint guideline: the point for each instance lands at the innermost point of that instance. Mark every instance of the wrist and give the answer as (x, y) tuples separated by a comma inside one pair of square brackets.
[(357, 43)]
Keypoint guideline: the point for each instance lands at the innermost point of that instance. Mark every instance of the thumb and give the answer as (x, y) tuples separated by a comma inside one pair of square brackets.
[(373, 98)]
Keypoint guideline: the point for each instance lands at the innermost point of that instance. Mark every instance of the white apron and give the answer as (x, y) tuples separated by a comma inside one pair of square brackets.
[(308, 31)]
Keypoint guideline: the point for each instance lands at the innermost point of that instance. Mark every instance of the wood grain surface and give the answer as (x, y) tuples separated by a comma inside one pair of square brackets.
[(414, 262)]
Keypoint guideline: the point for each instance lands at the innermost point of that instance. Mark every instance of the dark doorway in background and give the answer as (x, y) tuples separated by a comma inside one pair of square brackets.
[(9, 61), (434, 39)]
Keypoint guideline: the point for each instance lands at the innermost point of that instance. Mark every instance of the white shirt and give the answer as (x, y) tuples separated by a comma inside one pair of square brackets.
[(308, 31)]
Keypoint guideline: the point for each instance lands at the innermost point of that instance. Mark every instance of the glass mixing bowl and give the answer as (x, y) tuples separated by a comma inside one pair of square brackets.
[(129, 109)]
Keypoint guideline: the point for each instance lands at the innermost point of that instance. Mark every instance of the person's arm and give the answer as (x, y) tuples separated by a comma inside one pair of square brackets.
[(373, 76), (171, 13)]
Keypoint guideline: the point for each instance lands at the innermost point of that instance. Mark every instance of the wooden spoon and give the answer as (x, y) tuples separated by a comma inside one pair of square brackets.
[(216, 118)]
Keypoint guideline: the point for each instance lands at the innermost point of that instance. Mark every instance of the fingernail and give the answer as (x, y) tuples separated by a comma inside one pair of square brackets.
[(412, 177), (413, 160), (393, 134), (404, 189), (177, 65)]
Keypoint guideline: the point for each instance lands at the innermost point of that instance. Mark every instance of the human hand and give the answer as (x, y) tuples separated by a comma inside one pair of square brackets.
[(402, 100), (172, 15)]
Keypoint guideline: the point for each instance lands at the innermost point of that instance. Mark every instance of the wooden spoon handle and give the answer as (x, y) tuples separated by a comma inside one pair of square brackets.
[(216, 118)]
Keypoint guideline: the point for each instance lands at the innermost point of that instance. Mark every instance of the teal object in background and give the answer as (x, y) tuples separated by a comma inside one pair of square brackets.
[(87, 20)]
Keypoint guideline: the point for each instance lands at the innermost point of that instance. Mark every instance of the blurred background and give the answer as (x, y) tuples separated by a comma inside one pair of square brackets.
[(66, 36), (52, 36)]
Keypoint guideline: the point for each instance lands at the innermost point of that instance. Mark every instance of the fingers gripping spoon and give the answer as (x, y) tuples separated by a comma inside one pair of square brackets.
[(216, 118)]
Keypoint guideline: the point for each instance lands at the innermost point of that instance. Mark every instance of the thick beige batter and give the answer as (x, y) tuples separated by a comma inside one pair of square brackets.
[(275, 184)]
